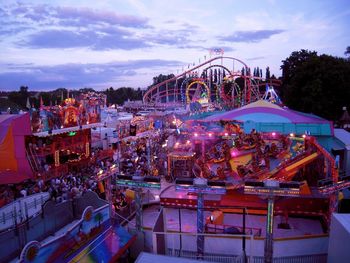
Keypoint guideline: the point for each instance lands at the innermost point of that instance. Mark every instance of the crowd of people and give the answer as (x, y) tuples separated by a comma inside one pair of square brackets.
[(144, 156), (71, 185)]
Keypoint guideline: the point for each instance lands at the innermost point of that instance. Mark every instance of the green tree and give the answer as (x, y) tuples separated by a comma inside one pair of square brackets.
[(19, 97), (316, 84), (347, 52)]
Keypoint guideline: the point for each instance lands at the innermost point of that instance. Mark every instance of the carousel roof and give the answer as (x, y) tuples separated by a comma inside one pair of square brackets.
[(265, 116), (263, 111)]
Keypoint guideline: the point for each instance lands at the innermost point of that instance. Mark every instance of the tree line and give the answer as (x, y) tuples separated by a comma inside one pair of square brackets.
[(24, 99), (318, 84)]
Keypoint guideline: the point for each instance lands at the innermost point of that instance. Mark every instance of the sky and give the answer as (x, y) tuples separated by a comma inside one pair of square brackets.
[(114, 43)]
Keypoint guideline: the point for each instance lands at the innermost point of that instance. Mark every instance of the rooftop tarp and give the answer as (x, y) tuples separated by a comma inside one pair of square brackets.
[(14, 166), (265, 117)]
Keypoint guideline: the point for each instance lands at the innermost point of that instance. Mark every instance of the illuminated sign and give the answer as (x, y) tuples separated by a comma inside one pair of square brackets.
[(271, 191), (72, 133), (205, 190), (137, 184)]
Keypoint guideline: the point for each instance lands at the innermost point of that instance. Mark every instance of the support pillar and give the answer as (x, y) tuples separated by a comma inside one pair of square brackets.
[(138, 203), (108, 191), (200, 225), (268, 252), (148, 144)]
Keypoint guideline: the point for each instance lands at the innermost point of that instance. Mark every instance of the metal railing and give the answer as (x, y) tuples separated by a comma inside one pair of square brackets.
[(21, 209), (206, 257), (317, 258)]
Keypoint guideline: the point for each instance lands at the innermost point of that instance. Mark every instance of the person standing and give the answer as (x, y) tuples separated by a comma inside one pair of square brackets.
[(340, 199)]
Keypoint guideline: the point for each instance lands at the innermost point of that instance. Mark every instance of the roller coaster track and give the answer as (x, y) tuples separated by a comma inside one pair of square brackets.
[(153, 94)]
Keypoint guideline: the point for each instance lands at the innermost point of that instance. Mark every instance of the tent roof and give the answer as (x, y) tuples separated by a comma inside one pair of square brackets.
[(266, 112), (14, 166), (343, 136), (21, 125)]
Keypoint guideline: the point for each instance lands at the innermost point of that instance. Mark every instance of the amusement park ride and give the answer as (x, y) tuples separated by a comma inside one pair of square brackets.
[(268, 173), (295, 174), (224, 81)]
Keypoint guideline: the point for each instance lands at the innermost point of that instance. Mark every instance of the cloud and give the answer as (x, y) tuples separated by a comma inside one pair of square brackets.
[(256, 58), (75, 75), (88, 16), (13, 30), (70, 27), (180, 37), (97, 40), (250, 36), (57, 27), (80, 16)]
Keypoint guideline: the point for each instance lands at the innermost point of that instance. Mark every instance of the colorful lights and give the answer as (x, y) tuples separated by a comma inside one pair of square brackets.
[(304, 136), (87, 149), (291, 135), (196, 135), (273, 134), (72, 133), (57, 158), (210, 134)]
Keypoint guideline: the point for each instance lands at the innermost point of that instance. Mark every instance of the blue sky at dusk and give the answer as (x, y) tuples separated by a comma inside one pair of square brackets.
[(74, 44)]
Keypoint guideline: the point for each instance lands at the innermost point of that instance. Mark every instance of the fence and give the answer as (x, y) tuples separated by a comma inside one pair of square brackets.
[(320, 258), (21, 210), (232, 247), (53, 217)]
